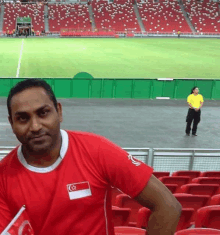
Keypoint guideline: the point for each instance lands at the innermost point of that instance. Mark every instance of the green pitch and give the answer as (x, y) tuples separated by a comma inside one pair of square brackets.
[(110, 58)]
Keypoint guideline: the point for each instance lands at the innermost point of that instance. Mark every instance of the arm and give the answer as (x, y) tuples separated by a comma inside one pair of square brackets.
[(201, 104), (190, 105), (166, 210)]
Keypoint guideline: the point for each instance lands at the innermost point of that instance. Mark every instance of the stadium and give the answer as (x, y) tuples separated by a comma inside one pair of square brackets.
[(123, 69)]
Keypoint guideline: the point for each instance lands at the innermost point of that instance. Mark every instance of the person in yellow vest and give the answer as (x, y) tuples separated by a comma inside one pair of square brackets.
[(195, 101)]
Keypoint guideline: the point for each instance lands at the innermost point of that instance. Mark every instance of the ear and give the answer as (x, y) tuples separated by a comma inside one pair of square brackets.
[(60, 111)]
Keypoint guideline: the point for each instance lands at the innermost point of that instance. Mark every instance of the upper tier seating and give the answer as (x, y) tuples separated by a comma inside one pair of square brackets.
[(13, 11), (74, 16), (204, 15), (163, 16), (118, 16)]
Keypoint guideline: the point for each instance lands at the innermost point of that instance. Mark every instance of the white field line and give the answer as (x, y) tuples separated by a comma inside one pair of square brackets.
[(19, 62)]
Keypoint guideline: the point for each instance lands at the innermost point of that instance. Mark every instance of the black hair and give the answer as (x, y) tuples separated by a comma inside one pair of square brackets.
[(28, 83), (193, 89)]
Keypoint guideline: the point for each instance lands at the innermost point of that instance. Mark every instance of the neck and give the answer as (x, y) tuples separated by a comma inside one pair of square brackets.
[(44, 159)]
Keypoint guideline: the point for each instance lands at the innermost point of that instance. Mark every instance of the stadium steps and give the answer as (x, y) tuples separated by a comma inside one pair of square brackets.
[(1, 17), (46, 14), (186, 17), (92, 17), (138, 17)]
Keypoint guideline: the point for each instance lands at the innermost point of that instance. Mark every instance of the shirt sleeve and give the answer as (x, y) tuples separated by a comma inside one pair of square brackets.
[(202, 100), (188, 99), (5, 214), (122, 170)]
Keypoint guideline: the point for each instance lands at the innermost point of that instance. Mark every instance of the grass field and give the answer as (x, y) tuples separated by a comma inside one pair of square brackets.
[(110, 58)]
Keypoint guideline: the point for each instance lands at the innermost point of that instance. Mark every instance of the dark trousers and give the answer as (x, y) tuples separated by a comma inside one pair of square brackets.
[(195, 117)]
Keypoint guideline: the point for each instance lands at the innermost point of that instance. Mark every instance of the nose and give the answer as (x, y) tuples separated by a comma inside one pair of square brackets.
[(35, 124)]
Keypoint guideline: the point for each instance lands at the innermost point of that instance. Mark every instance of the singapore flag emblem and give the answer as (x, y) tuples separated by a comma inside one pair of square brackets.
[(79, 190)]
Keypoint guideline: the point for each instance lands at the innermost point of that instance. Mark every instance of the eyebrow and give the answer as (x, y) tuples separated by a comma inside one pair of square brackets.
[(39, 109)]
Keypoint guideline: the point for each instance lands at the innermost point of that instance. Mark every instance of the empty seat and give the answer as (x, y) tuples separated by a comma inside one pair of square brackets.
[(208, 217), (191, 174), (184, 222), (215, 200), (206, 180), (195, 231), (172, 187), (210, 174), (115, 192), (143, 217), (179, 180), (192, 201), (200, 189), (129, 231), (159, 174), (120, 216), (124, 201)]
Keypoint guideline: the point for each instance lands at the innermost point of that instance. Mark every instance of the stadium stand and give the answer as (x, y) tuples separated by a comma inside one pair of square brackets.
[(191, 174), (192, 201), (206, 180), (179, 180), (204, 15), (200, 189), (210, 174), (195, 231), (162, 16), (129, 231), (120, 216), (74, 16), (124, 201), (208, 217), (117, 16), (215, 200), (12, 11), (159, 174)]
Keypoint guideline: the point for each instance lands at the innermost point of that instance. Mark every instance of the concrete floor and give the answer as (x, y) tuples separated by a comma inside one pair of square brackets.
[(133, 123)]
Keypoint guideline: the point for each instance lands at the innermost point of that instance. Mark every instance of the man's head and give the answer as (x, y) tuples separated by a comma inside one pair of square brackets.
[(195, 90), (33, 112)]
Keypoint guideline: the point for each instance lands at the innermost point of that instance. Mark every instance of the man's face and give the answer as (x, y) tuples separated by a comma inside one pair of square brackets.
[(196, 90), (33, 115)]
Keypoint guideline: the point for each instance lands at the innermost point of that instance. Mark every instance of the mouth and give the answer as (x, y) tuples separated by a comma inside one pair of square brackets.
[(38, 138)]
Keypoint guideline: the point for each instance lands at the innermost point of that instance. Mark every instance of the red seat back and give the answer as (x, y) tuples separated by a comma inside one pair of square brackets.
[(215, 200), (191, 174), (120, 216), (200, 189), (206, 180), (208, 217), (195, 231), (210, 174), (172, 187), (124, 201), (129, 231), (115, 193), (159, 174)]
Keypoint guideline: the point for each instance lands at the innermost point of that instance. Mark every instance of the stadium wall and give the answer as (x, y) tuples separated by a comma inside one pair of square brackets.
[(124, 88)]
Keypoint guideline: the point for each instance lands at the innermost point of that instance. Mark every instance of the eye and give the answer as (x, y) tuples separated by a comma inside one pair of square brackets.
[(44, 112), (22, 119)]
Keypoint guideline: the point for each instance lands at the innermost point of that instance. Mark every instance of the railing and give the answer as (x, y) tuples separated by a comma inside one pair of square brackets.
[(168, 159)]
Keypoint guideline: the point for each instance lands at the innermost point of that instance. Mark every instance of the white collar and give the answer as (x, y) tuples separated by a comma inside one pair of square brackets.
[(63, 150)]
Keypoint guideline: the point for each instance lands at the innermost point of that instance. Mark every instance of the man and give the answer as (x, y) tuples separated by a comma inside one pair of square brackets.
[(195, 101), (64, 178)]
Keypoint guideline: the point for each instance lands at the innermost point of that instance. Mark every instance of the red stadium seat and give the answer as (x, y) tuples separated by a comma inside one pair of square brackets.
[(184, 222), (143, 217), (191, 174), (129, 231), (124, 201), (179, 180), (115, 192), (159, 174), (206, 180), (172, 187), (208, 217), (210, 174), (192, 201), (195, 231), (200, 189), (120, 216), (215, 200)]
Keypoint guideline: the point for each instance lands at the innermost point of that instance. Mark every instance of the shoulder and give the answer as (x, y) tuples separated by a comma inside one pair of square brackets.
[(189, 96), (8, 160)]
